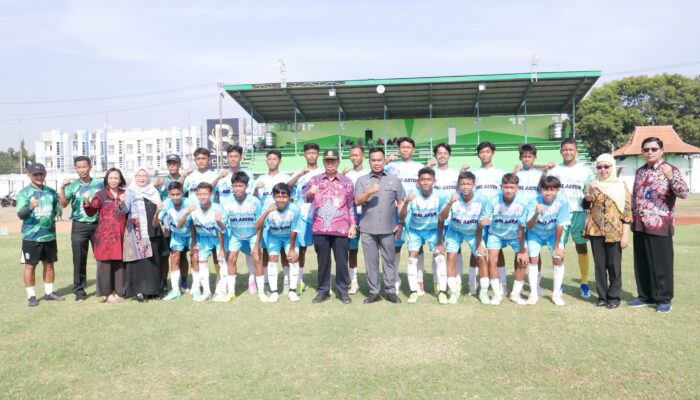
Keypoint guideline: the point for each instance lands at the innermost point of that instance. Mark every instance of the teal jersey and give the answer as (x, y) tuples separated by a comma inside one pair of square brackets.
[(40, 224), (553, 215), (464, 216), (205, 221), (240, 216), (164, 188), (506, 218), (74, 195), (423, 212), (170, 216)]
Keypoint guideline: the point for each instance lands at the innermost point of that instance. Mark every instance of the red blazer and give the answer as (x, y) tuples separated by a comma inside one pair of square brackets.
[(109, 234)]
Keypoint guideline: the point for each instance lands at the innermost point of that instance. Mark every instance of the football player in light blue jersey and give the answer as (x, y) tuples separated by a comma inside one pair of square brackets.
[(507, 216), (207, 239), (222, 184), (407, 171), (463, 211), (174, 207), (241, 212), (546, 228), (281, 224), (298, 184), (420, 213), (528, 173), (357, 158)]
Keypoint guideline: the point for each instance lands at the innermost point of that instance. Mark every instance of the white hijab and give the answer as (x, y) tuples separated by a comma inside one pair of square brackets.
[(147, 191)]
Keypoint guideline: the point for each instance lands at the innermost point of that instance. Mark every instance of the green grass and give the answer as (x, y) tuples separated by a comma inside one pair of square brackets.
[(251, 350)]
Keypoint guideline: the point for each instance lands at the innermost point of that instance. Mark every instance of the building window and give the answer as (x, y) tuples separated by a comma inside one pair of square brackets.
[(158, 146), (149, 148), (111, 150), (177, 145), (138, 146)]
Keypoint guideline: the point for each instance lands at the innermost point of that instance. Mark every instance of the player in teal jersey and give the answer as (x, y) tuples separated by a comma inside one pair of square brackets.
[(180, 238), (37, 207)]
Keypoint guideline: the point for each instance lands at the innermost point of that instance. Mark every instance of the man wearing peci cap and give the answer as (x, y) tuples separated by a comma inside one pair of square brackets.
[(331, 198)]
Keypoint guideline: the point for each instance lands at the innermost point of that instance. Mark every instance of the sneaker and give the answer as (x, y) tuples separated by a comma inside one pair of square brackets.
[(285, 287), (585, 291), (453, 298), (557, 300), (540, 291), (174, 294), (229, 298), (263, 297), (496, 300), (515, 298), (421, 290), (484, 298), (53, 297), (532, 300), (413, 297), (196, 296), (354, 287), (664, 308), (80, 297), (636, 303), (184, 288), (274, 296), (293, 296), (252, 286), (32, 302), (204, 297), (219, 297), (301, 287), (442, 298)]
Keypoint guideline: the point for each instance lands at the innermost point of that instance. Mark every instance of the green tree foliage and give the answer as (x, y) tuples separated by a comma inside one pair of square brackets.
[(10, 159), (612, 111)]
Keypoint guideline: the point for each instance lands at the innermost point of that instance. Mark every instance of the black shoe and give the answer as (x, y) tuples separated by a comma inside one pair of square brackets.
[(141, 298), (373, 298), (33, 302), (320, 297), (345, 299), (601, 303), (53, 297), (80, 297), (393, 298), (612, 306)]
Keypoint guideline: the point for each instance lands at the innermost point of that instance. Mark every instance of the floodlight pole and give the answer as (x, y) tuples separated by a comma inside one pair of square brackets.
[(218, 131), (296, 152), (525, 120), (573, 117), (385, 110), (340, 133), (430, 123), (478, 124)]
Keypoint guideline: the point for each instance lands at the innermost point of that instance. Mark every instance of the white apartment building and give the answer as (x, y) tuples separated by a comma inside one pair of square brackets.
[(127, 150)]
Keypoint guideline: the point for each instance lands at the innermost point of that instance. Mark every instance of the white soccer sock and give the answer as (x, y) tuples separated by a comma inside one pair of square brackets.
[(412, 273), (272, 274), (460, 268), (285, 270), (48, 288), (221, 287), (441, 271), (496, 287), (204, 278), (31, 292), (420, 266), (260, 283), (353, 274), (175, 279), (517, 288), (196, 282), (265, 275), (502, 276), (532, 279), (539, 279), (434, 268), (231, 284), (558, 279), (301, 274), (293, 271), (250, 264), (452, 284), (473, 275), (484, 285)]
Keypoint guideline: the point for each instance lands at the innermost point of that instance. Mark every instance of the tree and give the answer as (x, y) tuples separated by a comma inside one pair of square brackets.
[(611, 111)]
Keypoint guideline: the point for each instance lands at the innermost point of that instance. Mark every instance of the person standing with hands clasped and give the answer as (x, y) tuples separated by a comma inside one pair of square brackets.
[(608, 202), (656, 187)]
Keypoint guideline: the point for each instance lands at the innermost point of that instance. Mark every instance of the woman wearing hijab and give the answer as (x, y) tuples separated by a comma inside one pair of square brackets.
[(607, 227), (143, 240)]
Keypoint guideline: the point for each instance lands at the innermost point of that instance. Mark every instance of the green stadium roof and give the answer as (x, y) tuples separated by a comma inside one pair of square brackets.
[(442, 96)]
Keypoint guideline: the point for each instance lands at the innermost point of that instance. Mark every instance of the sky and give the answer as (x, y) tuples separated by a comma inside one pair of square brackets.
[(78, 64)]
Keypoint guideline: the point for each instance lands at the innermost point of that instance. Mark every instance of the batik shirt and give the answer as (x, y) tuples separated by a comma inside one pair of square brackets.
[(333, 205), (39, 225), (654, 199), (74, 195)]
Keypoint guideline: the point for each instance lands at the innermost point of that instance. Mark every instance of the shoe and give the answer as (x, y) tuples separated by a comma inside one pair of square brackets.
[(472, 290), (373, 298), (484, 298), (421, 290), (515, 298), (345, 299), (585, 291), (320, 297), (252, 286), (32, 302), (219, 297), (413, 298), (293, 296), (229, 298), (263, 297), (301, 287), (540, 291), (664, 308), (118, 299), (636, 303), (612, 306), (601, 303), (80, 297), (53, 297), (196, 296), (274, 297), (393, 298), (442, 298), (204, 297), (141, 298), (285, 287), (532, 300), (183, 287), (436, 288), (354, 287), (496, 300), (557, 300), (174, 294), (454, 298)]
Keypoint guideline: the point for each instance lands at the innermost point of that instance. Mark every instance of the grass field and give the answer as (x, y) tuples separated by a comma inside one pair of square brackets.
[(247, 349)]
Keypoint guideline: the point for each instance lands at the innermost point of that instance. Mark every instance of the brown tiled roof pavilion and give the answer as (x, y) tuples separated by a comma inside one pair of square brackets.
[(672, 142)]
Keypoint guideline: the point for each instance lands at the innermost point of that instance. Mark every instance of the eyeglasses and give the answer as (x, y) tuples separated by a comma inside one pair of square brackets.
[(651, 149), (599, 167)]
